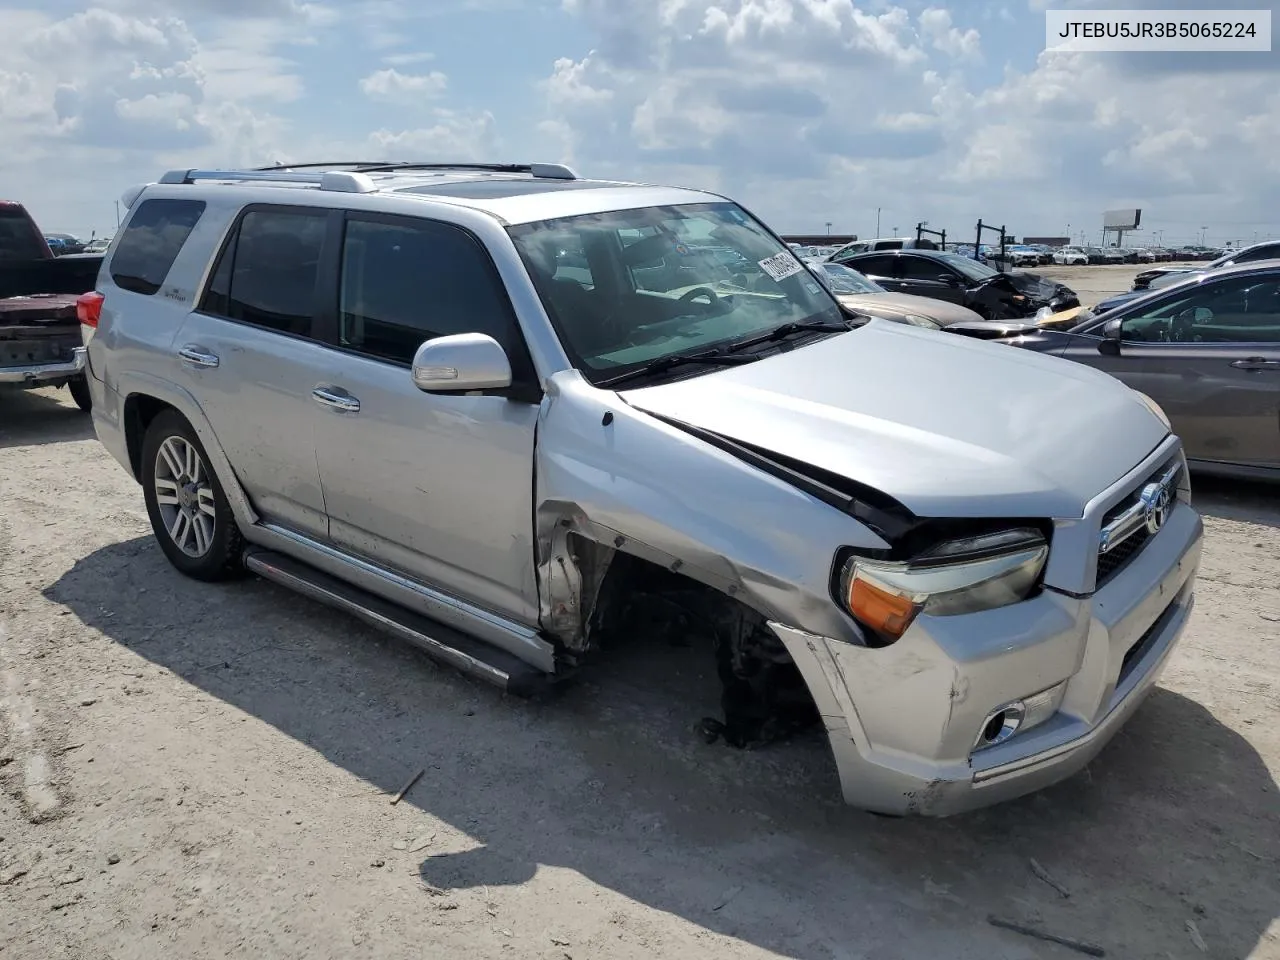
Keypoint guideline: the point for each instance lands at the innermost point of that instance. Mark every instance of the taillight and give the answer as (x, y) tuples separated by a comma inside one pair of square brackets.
[(89, 308)]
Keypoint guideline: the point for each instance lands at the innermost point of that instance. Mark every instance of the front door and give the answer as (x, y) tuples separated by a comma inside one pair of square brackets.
[(249, 356), (1211, 358), (927, 277), (436, 486)]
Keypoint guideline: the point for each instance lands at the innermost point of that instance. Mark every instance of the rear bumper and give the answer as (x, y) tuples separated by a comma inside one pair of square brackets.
[(36, 374)]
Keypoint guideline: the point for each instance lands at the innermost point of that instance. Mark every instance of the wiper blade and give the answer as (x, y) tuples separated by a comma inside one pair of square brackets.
[(794, 327), (663, 364)]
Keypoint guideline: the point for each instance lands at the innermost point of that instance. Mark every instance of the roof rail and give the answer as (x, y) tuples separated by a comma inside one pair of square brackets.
[(339, 181), (323, 166), (547, 171)]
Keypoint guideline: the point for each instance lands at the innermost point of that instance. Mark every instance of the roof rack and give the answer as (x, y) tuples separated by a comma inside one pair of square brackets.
[(339, 181), (358, 164), (542, 171), (550, 171), (357, 180)]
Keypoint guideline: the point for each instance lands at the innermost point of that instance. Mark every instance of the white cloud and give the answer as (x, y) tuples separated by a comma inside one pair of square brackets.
[(816, 110), (407, 59), (936, 26), (452, 136), (395, 87)]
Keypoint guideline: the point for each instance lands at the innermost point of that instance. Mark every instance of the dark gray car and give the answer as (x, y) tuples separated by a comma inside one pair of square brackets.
[(1208, 352)]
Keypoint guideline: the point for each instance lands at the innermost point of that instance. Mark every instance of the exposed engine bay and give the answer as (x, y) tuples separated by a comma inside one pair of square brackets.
[(763, 696)]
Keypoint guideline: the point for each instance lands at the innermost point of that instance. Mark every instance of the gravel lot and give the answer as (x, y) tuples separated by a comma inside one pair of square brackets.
[(205, 771)]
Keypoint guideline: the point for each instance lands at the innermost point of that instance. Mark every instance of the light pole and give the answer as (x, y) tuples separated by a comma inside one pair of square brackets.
[(117, 214), (877, 221), (828, 228)]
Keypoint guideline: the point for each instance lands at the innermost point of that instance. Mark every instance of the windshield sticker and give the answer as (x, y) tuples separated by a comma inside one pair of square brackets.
[(781, 265), (813, 288)]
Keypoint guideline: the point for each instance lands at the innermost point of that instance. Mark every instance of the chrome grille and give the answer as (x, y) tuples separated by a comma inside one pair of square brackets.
[(1124, 528)]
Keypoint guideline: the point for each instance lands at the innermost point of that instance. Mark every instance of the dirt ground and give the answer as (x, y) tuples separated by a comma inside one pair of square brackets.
[(205, 771)]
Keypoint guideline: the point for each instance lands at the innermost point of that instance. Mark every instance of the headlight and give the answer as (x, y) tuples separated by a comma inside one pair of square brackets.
[(956, 577), (918, 321), (1154, 408)]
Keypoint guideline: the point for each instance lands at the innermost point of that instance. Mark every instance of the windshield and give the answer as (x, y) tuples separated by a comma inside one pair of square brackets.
[(629, 287), (842, 279), (973, 269)]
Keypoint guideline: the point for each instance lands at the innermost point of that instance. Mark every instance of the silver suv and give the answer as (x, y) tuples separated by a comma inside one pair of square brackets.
[(514, 416)]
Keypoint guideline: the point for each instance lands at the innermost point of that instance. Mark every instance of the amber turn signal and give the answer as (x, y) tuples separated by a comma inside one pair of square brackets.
[(882, 611)]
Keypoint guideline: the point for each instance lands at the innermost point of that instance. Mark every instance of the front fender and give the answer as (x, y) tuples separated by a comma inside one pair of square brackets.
[(138, 383), (622, 479)]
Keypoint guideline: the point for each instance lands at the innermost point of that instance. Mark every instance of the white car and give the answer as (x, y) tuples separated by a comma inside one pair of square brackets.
[(1070, 255)]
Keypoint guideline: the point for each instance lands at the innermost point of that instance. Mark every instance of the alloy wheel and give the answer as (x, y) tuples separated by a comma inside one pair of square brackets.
[(184, 495)]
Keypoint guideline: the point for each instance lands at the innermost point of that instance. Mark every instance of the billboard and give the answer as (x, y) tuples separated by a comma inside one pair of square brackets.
[(1122, 219)]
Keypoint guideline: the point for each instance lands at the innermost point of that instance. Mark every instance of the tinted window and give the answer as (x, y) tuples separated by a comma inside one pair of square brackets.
[(19, 239), (924, 268), (1240, 310), (267, 274), (151, 241), (409, 281), (1261, 253), (850, 251), (876, 266)]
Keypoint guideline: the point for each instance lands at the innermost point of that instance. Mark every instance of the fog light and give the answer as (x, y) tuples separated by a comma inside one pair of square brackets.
[(1002, 724), (1019, 715)]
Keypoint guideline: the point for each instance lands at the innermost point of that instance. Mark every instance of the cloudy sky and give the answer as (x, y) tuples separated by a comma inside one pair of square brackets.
[(808, 111)]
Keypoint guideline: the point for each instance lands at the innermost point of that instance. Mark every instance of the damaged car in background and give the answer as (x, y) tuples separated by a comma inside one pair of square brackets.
[(860, 295), (857, 521), (992, 294)]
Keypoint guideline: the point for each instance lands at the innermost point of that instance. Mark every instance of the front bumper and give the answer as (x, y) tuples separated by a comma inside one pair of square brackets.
[(903, 719), (35, 374)]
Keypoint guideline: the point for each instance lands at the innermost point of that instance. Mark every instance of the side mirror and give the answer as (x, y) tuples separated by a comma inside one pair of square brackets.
[(1111, 336), (461, 363)]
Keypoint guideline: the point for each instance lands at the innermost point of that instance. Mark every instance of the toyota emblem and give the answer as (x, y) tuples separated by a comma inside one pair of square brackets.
[(1156, 499)]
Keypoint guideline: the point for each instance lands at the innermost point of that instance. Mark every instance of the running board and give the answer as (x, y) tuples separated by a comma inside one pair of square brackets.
[(439, 641)]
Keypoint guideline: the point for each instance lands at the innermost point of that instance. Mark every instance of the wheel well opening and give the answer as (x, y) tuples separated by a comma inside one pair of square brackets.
[(139, 410), (763, 696)]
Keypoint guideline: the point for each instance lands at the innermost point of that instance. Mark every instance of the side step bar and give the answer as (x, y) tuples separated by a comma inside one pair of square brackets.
[(439, 641)]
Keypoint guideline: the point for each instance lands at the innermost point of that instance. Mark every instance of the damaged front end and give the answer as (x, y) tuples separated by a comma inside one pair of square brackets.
[(596, 596), (629, 553)]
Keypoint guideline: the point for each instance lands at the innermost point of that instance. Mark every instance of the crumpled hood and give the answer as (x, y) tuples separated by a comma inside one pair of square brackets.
[(947, 425), (1041, 289)]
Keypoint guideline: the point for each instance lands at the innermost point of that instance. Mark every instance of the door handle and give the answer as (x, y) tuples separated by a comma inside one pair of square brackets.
[(197, 357), (328, 397), (1256, 363)]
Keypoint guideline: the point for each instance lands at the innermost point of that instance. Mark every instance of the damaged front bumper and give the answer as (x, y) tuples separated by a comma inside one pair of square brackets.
[(903, 720)]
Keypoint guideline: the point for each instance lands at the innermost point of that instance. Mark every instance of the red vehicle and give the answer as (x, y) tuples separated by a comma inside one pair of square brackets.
[(40, 343)]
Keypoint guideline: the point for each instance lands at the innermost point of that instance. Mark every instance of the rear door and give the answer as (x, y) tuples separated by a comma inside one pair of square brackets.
[(250, 355), (1211, 358), (881, 268)]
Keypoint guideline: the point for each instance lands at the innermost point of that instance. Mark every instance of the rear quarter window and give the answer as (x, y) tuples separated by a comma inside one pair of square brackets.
[(19, 238), (151, 242)]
